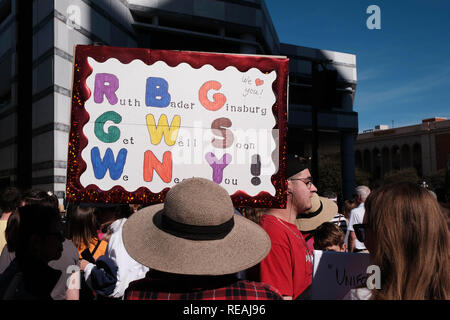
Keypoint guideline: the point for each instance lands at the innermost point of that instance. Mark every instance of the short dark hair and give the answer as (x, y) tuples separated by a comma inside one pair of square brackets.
[(295, 164), (10, 199), (40, 197), (328, 234), (34, 219)]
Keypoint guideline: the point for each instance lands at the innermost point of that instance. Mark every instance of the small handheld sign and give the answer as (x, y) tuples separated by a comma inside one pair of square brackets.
[(336, 273)]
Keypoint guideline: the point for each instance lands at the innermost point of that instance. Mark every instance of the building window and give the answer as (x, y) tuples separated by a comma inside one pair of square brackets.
[(5, 99), (5, 9)]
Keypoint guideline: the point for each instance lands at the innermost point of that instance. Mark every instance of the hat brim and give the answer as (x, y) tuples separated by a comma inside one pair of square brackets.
[(329, 210), (245, 246)]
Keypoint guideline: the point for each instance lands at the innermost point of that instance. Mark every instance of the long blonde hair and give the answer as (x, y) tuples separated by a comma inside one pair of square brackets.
[(410, 240)]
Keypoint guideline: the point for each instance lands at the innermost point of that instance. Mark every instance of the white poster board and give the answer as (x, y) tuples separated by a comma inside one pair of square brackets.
[(144, 120)]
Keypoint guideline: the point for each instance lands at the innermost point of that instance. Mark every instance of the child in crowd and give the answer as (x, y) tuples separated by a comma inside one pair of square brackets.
[(329, 237)]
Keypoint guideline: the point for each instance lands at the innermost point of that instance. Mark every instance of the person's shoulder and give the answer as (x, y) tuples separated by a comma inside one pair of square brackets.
[(260, 290), (272, 227), (269, 223), (143, 284), (69, 249), (117, 225)]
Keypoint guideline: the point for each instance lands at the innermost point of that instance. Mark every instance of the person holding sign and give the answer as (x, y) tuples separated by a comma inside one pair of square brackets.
[(289, 264)]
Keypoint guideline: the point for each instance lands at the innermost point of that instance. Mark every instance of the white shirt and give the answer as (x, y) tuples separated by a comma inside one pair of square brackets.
[(128, 269), (357, 217), (358, 294)]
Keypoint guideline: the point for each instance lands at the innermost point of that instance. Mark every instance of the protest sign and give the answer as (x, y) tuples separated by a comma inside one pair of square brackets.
[(143, 120), (336, 273)]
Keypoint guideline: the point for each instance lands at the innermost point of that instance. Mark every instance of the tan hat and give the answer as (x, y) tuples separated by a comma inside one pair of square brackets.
[(322, 210), (195, 232)]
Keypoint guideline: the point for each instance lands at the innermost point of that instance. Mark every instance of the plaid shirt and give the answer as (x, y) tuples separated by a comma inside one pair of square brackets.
[(200, 288)]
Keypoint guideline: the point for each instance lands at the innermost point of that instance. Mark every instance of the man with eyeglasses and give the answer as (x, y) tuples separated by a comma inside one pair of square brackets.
[(289, 264), (357, 217)]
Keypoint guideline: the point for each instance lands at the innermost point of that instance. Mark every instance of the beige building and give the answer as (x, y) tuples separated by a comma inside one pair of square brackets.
[(425, 146)]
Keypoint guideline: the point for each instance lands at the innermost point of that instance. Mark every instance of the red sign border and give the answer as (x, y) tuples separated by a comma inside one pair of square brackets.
[(75, 192)]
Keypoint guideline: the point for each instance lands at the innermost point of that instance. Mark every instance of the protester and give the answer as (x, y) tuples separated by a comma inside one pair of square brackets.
[(29, 277), (67, 263), (128, 269), (194, 245), (288, 266), (83, 233), (9, 202), (329, 237), (322, 210), (356, 217), (406, 234)]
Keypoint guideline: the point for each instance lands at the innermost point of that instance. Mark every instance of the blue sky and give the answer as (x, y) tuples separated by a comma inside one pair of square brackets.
[(403, 69)]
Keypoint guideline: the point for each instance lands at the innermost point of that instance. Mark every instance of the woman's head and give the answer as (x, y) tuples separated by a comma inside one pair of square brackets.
[(83, 226), (40, 233), (10, 199), (407, 237)]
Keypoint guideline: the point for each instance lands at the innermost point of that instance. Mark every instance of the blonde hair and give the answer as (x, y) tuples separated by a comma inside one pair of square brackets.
[(410, 237)]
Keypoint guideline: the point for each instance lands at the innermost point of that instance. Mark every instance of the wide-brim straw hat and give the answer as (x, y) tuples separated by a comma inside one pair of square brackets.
[(322, 210), (195, 232)]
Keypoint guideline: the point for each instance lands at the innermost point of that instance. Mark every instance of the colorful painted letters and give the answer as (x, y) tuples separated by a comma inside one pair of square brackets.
[(156, 95), (156, 132)]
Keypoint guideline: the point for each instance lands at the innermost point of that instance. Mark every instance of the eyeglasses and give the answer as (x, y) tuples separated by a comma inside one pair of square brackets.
[(306, 181), (360, 231)]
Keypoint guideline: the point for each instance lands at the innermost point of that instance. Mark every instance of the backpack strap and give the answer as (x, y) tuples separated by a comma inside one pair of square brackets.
[(96, 247)]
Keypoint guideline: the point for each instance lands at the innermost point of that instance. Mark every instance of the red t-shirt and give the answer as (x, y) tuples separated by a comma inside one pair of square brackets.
[(288, 266)]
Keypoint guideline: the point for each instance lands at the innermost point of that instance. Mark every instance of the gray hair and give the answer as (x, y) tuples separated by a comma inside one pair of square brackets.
[(363, 192)]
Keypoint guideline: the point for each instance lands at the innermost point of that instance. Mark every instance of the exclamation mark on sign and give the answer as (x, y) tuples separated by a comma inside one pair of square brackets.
[(255, 169)]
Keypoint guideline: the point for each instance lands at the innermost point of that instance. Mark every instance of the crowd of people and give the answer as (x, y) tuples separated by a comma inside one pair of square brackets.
[(197, 246)]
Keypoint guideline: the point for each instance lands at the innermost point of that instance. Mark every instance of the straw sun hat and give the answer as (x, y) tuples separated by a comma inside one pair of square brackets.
[(322, 210), (195, 232)]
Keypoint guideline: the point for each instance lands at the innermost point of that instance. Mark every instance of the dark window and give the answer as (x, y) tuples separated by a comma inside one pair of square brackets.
[(5, 9)]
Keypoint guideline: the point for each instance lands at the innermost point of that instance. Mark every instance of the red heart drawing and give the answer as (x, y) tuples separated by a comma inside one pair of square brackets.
[(259, 82)]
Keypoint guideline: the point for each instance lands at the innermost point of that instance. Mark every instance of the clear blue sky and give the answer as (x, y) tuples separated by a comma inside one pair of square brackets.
[(403, 69)]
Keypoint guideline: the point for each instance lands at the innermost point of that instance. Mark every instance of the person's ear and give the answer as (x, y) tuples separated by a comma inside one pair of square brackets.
[(344, 248)]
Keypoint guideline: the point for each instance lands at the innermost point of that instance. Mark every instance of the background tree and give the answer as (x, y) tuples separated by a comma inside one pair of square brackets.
[(402, 175)]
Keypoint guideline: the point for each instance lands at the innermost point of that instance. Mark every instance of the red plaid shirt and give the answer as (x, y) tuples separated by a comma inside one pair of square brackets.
[(200, 288)]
